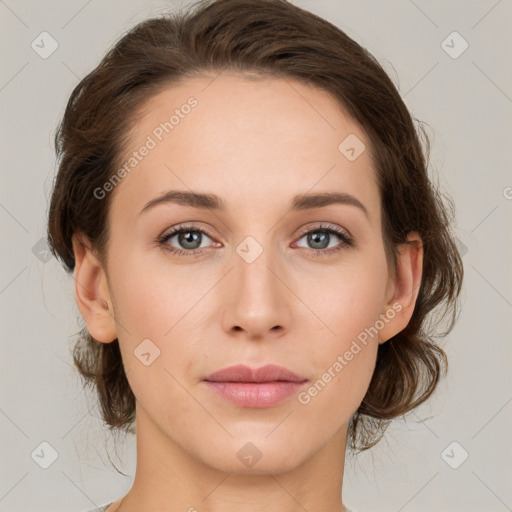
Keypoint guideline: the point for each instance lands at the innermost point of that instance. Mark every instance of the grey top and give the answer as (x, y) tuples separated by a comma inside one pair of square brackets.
[(101, 509)]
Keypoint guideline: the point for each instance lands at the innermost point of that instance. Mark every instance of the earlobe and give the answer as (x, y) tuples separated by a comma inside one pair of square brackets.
[(92, 292), (404, 286)]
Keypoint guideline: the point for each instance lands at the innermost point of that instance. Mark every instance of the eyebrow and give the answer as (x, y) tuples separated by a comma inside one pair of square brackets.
[(215, 203)]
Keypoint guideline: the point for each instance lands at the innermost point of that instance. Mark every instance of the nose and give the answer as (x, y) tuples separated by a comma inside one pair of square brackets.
[(257, 304)]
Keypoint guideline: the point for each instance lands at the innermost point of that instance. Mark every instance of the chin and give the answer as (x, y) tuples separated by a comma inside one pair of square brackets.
[(256, 457), (273, 465)]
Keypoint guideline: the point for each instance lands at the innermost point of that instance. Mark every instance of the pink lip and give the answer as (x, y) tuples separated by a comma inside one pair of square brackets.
[(255, 387)]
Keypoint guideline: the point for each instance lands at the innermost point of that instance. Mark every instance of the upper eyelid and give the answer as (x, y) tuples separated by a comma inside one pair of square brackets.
[(175, 230), (324, 225)]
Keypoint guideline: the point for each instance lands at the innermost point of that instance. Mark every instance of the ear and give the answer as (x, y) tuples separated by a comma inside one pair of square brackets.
[(92, 292), (403, 287)]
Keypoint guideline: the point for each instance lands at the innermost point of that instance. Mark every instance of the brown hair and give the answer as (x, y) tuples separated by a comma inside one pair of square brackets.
[(269, 38)]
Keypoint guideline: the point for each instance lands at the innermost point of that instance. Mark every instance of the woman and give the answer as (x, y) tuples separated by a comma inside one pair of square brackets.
[(257, 249)]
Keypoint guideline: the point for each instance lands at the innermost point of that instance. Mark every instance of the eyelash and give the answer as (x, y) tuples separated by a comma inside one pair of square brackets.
[(346, 240)]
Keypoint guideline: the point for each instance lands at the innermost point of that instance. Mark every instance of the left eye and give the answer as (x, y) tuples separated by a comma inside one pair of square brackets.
[(321, 238)]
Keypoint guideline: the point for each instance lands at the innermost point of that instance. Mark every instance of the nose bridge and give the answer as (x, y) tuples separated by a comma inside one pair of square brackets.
[(258, 299)]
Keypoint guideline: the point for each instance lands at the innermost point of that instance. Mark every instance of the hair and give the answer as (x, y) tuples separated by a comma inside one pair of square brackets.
[(269, 39)]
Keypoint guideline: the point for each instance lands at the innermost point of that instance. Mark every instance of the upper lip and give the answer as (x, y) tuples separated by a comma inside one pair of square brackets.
[(242, 373)]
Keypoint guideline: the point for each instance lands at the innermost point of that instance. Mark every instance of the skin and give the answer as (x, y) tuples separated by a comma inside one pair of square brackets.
[(256, 144)]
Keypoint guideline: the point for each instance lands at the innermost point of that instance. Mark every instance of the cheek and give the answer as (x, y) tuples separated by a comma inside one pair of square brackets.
[(160, 303), (151, 299), (344, 356), (338, 391), (343, 363), (350, 301)]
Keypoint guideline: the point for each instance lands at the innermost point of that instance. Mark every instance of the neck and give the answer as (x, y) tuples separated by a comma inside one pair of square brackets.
[(170, 478)]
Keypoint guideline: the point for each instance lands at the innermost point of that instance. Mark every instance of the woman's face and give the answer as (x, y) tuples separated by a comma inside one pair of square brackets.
[(255, 281)]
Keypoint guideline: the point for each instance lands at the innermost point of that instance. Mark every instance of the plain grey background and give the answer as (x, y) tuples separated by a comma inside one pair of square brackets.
[(465, 97)]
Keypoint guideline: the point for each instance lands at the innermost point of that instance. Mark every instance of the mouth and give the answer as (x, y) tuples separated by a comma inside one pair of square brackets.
[(262, 387)]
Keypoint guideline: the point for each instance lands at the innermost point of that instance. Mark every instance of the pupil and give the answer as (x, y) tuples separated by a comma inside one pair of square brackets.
[(187, 237), (319, 238)]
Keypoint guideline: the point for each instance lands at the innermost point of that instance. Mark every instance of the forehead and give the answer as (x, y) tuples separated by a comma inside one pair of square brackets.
[(247, 137)]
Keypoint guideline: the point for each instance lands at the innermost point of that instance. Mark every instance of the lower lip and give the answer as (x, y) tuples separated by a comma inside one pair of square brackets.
[(254, 394)]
